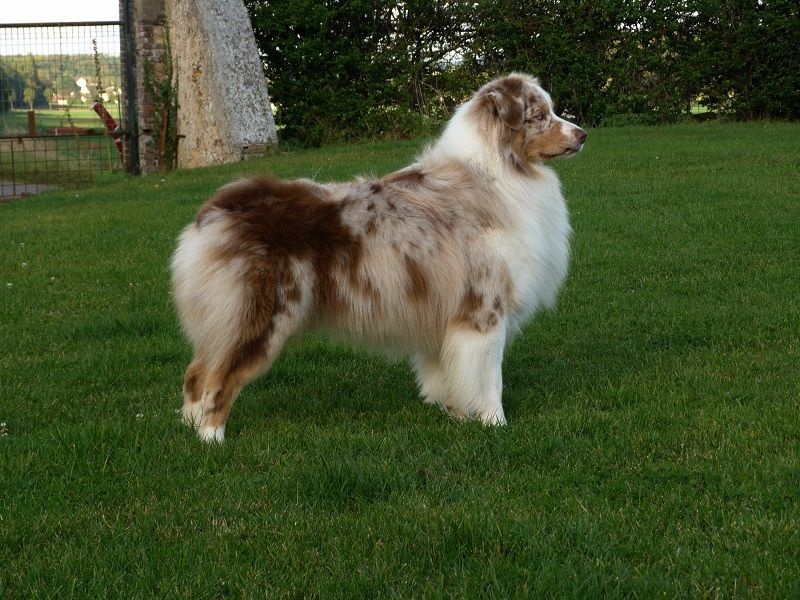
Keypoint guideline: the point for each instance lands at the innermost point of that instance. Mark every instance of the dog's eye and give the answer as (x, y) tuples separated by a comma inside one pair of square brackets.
[(537, 117)]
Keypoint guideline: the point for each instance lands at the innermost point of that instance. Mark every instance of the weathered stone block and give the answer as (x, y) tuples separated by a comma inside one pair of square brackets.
[(222, 92), (224, 112)]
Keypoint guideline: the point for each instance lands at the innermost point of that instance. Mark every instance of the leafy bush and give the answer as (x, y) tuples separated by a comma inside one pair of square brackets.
[(343, 69)]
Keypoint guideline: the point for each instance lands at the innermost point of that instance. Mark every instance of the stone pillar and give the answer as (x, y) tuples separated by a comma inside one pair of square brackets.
[(224, 114), (149, 49)]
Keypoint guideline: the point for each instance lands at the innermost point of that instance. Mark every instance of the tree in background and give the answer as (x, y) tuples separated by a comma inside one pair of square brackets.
[(324, 62), (747, 56), (29, 96), (361, 68), (33, 85)]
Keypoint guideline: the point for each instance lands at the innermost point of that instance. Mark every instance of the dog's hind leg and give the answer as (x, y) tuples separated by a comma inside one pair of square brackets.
[(248, 359), (271, 318), (193, 384), (472, 362), (220, 390)]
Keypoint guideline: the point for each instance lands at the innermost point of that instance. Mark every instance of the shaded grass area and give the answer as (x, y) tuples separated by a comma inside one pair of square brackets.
[(654, 440), (63, 160), (15, 122)]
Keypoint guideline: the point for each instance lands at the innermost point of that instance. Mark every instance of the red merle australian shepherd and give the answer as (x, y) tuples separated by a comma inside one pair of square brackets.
[(441, 261)]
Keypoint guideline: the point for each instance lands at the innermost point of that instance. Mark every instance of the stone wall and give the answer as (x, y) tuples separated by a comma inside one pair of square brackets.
[(224, 113)]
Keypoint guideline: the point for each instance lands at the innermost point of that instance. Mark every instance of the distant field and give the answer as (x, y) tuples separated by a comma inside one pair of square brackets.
[(653, 448), (16, 121)]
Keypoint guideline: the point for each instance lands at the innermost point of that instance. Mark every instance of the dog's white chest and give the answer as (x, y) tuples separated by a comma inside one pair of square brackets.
[(536, 249)]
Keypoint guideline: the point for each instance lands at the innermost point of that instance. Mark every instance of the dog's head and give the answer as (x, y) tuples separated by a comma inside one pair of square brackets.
[(518, 113)]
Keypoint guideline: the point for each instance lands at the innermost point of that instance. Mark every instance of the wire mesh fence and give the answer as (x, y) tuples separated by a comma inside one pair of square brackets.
[(61, 96)]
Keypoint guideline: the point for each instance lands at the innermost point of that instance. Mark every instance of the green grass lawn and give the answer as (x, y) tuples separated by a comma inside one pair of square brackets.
[(653, 448)]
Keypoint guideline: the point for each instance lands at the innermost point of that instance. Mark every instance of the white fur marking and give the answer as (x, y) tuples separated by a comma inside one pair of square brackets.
[(192, 413), (211, 434)]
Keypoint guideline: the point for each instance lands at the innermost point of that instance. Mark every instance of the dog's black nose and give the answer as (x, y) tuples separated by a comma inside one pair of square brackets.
[(580, 135)]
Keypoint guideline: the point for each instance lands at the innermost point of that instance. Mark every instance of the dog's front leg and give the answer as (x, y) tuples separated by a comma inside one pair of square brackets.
[(472, 361)]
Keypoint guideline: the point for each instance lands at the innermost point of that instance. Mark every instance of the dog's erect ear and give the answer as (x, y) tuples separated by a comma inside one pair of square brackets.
[(505, 99)]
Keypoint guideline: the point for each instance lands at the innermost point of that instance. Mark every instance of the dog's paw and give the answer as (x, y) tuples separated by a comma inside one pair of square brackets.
[(211, 435), (493, 419)]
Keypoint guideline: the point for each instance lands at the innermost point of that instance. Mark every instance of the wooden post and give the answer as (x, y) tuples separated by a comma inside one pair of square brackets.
[(31, 123)]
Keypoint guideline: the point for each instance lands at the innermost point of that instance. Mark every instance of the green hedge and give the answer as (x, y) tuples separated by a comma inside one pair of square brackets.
[(359, 69)]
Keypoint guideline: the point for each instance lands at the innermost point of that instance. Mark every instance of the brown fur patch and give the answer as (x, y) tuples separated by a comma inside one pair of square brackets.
[(272, 219), (294, 294), (471, 303), (418, 282), (473, 312), (292, 218), (497, 306), (506, 101), (192, 380)]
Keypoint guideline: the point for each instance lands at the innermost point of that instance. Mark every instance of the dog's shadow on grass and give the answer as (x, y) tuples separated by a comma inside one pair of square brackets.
[(318, 381), (547, 368)]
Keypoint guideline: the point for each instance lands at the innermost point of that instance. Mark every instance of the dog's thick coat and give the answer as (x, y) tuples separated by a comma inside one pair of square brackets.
[(439, 261)]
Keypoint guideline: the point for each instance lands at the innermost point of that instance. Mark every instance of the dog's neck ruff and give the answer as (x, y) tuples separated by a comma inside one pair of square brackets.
[(528, 205), (464, 142)]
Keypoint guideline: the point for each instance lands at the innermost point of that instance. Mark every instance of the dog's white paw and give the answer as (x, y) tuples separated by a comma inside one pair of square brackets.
[(495, 418), (211, 435)]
